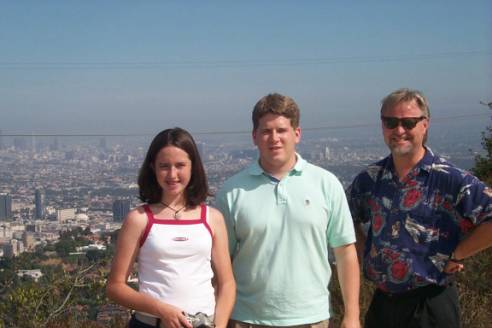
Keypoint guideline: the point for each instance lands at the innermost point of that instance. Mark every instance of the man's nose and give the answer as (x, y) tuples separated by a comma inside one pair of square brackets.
[(399, 129), (274, 136)]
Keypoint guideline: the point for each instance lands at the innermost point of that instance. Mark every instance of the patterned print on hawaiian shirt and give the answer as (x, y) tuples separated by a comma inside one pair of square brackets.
[(415, 224)]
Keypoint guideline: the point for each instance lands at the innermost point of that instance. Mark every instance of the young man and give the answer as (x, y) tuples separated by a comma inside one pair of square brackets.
[(418, 209), (282, 214)]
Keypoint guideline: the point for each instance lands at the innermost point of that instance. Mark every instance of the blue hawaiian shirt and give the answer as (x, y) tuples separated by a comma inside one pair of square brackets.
[(415, 224)]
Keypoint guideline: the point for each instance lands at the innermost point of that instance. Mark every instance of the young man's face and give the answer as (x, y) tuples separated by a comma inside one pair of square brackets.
[(276, 140)]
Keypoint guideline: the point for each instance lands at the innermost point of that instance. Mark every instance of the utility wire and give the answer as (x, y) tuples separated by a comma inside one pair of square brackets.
[(315, 128), (237, 62)]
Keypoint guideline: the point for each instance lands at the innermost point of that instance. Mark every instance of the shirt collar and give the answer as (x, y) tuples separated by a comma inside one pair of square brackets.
[(256, 169), (424, 164)]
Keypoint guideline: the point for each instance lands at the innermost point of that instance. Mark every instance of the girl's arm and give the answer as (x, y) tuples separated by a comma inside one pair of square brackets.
[(221, 262)]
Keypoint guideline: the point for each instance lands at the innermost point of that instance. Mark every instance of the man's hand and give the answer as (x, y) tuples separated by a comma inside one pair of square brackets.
[(453, 267)]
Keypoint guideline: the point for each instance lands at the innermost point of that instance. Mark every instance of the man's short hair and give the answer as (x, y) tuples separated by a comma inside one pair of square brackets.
[(404, 95), (276, 104)]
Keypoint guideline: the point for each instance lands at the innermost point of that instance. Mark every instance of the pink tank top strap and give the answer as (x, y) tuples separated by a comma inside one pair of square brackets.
[(204, 217), (150, 222)]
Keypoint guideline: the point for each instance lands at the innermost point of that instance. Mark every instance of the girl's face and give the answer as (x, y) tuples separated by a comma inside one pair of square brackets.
[(172, 168)]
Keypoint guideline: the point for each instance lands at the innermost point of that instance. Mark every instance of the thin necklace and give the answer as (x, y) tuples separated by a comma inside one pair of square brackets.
[(177, 214)]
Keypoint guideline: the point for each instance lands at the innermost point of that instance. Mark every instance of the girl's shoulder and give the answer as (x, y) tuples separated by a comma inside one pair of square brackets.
[(214, 212), (215, 217), (137, 217)]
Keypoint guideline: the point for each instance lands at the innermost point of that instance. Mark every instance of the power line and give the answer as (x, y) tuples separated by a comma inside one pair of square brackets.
[(237, 62), (230, 132)]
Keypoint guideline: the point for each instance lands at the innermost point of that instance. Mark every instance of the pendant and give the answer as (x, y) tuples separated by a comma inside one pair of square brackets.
[(177, 215)]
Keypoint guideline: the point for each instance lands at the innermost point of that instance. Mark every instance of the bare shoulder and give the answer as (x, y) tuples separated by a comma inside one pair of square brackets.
[(216, 219), (136, 219), (215, 214)]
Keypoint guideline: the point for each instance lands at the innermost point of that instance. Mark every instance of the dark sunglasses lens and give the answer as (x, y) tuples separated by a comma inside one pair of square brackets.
[(409, 123), (390, 122)]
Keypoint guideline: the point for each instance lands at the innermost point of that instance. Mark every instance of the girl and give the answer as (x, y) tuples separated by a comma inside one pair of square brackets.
[(179, 242)]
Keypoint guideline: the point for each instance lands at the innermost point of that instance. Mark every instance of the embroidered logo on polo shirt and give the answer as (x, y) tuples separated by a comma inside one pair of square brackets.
[(180, 238)]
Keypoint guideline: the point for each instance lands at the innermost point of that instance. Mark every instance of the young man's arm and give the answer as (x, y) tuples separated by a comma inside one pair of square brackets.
[(349, 279)]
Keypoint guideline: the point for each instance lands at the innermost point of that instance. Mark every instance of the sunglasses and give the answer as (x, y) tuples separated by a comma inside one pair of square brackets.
[(407, 123)]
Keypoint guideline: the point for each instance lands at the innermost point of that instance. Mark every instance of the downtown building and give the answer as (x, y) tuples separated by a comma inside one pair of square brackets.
[(39, 204), (121, 207), (5, 207)]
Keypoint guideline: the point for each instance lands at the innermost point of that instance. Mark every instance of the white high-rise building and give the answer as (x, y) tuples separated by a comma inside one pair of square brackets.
[(65, 214)]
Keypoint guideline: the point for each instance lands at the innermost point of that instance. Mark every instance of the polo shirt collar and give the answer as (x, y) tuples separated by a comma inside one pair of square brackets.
[(256, 169)]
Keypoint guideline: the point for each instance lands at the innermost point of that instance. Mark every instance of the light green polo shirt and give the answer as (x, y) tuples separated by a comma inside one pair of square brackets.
[(279, 234)]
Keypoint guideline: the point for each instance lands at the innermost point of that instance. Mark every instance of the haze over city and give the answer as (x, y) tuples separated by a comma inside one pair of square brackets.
[(127, 67)]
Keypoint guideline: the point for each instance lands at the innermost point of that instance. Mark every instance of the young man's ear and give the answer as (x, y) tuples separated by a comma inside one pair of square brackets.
[(253, 134), (297, 131)]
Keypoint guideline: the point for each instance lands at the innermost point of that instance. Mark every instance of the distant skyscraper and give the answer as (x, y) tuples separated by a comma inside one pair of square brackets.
[(33, 142), (5, 207), (69, 155), (20, 143), (39, 202), (327, 153), (102, 143), (28, 240), (55, 145), (121, 207)]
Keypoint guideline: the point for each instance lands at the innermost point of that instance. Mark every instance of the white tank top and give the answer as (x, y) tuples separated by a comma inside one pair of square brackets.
[(174, 262)]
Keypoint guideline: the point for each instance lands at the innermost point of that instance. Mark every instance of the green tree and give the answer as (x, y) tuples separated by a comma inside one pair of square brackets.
[(483, 163), (94, 255), (64, 246), (33, 304)]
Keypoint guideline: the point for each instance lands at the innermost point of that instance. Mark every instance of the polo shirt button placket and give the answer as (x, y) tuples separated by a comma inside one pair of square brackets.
[(282, 199)]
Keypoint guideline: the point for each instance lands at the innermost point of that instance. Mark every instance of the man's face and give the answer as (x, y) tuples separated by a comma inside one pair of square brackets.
[(405, 141), (276, 140)]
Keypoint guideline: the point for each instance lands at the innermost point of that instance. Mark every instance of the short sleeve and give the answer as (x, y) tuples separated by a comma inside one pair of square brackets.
[(223, 206), (340, 230), (474, 201)]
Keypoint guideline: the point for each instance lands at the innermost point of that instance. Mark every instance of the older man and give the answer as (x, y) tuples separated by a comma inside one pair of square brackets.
[(424, 217)]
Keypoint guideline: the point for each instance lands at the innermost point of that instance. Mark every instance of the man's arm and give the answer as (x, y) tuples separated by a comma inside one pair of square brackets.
[(474, 202), (479, 239), (349, 279), (361, 236)]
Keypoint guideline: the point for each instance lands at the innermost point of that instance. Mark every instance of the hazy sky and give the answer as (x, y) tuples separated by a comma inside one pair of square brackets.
[(141, 66)]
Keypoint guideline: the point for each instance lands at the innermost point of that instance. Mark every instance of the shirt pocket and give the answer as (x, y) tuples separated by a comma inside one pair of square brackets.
[(422, 226)]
